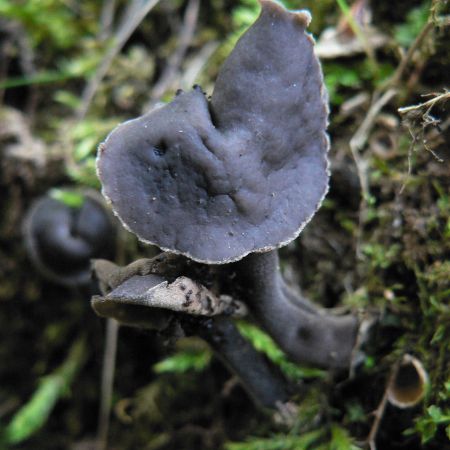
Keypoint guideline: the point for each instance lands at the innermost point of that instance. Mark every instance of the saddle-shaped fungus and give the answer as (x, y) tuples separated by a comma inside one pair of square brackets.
[(244, 172), (232, 179), (61, 240)]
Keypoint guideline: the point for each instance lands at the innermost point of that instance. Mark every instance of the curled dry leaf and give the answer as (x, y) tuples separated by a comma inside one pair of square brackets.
[(182, 295)]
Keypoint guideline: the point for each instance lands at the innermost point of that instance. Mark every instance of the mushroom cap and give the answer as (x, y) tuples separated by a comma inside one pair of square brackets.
[(61, 240), (242, 173)]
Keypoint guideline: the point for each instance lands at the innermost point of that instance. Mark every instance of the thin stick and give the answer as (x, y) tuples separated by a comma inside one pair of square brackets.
[(184, 38), (108, 369), (412, 115), (426, 105), (107, 18), (357, 142), (134, 15), (359, 139), (400, 71), (381, 97), (109, 361), (418, 41), (197, 63), (378, 414)]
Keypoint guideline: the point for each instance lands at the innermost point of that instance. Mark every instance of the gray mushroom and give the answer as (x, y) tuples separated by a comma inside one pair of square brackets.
[(244, 173), (62, 239), (232, 179)]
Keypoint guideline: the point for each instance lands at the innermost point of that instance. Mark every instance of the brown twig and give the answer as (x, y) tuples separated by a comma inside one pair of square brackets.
[(421, 115), (379, 411), (357, 143), (378, 414), (433, 21), (387, 92), (401, 69), (359, 139), (428, 105), (382, 97)]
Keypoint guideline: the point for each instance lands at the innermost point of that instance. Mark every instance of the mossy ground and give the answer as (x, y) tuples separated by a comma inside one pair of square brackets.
[(382, 247)]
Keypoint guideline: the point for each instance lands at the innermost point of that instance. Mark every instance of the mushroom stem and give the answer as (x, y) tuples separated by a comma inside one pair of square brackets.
[(265, 385), (134, 302), (307, 334)]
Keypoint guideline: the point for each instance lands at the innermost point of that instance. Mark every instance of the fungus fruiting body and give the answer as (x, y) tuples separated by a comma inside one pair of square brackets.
[(137, 295), (307, 334), (216, 180), (227, 181), (62, 239), (408, 383)]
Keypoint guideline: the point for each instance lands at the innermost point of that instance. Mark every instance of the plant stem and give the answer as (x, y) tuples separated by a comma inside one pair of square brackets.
[(107, 382)]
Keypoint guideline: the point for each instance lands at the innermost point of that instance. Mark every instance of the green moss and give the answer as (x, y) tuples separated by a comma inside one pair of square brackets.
[(265, 344)]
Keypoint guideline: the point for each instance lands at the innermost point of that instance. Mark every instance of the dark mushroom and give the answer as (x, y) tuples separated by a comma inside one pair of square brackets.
[(307, 335), (262, 381), (243, 173), (233, 179), (61, 239), (151, 302)]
